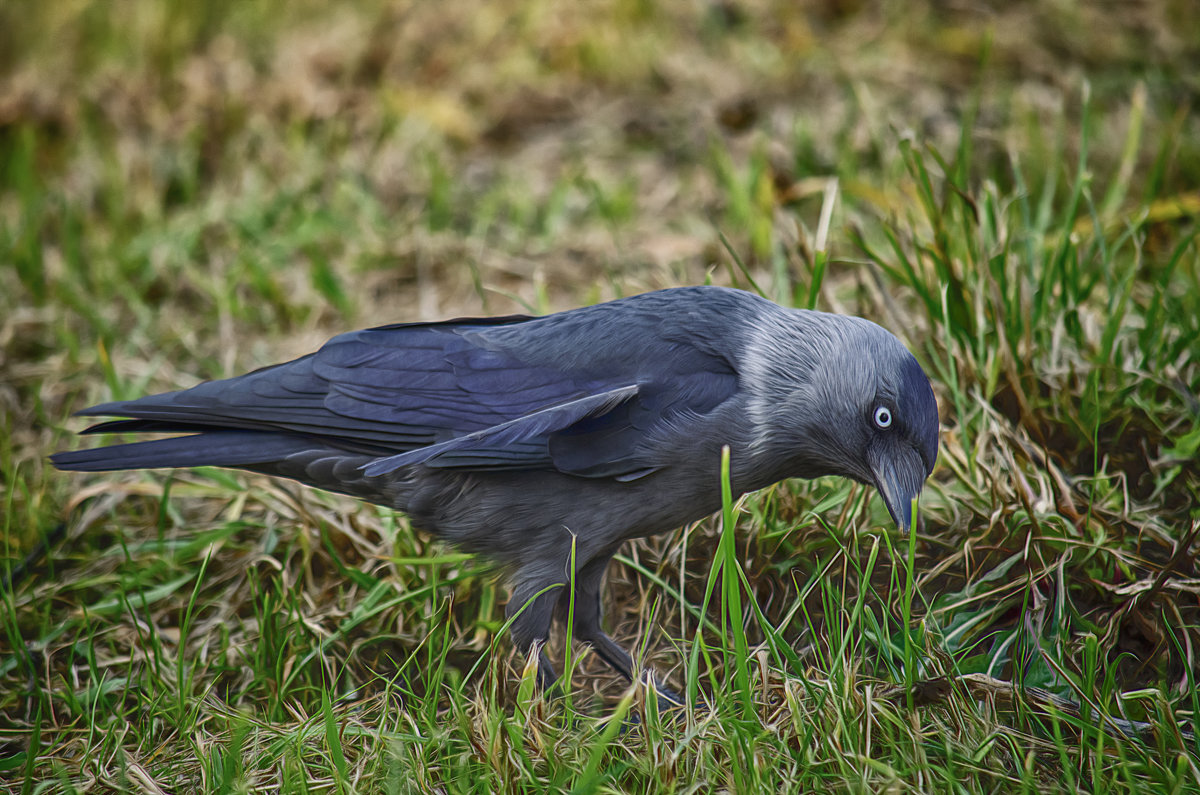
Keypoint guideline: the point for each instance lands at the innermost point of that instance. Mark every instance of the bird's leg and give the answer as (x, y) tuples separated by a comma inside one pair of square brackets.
[(587, 627), (531, 610), (589, 614)]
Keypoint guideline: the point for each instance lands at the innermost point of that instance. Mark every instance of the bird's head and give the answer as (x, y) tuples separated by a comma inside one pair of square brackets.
[(857, 404), (901, 430)]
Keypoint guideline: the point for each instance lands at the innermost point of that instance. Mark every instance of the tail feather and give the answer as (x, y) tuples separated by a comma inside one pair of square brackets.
[(149, 426), (211, 448)]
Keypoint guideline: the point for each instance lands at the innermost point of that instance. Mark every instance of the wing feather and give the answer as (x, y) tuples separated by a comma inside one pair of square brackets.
[(583, 392)]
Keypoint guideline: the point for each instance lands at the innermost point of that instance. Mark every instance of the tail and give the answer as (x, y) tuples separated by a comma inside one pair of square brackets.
[(306, 459), (210, 448)]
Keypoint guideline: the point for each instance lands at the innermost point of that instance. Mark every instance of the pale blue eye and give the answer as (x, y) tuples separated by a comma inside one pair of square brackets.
[(883, 417)]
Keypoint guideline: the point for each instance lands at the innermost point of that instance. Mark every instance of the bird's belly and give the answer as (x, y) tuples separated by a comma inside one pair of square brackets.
[(510, 516)]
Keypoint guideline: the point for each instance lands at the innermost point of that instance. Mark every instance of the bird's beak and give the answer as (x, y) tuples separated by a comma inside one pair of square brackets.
[(899, 474)]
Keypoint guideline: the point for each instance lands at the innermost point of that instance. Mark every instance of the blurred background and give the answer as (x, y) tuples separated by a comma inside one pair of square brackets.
[(190, 190), (379, 160)]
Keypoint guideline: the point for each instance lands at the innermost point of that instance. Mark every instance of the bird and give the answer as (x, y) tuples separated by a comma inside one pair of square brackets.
[(544, 443)]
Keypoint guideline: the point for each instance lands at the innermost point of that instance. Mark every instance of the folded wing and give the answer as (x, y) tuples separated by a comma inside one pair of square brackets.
[(566, 392)]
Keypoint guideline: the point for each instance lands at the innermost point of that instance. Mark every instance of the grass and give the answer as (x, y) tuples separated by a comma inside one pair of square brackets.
[(190, 191)]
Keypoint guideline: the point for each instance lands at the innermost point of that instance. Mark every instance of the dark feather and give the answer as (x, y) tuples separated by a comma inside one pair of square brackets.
[(501, 445), (212, 448)]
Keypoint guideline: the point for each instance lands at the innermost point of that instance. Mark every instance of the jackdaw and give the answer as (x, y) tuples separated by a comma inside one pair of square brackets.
[(521, 437)]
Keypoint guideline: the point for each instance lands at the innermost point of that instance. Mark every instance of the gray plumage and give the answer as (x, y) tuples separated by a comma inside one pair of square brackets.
[(515, 436)]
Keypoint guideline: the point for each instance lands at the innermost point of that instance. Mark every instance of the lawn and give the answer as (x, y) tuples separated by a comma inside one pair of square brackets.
[(189, 191)]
